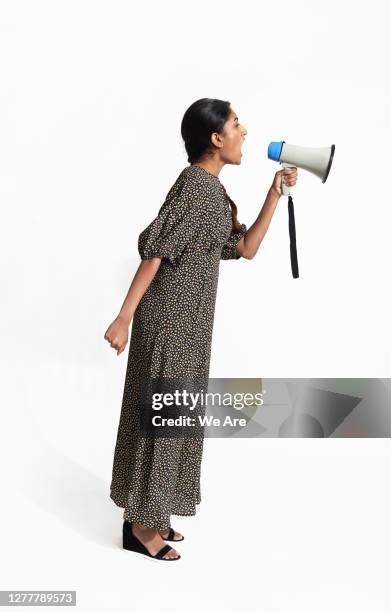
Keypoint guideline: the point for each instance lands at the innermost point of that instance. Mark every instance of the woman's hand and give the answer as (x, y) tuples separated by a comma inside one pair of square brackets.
[(117, 334), (290, 178)]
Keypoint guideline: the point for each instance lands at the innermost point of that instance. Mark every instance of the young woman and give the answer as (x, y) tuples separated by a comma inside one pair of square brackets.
[(171, 300)]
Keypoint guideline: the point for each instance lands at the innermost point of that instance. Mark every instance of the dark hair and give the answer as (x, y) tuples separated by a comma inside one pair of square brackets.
[(200, 120)]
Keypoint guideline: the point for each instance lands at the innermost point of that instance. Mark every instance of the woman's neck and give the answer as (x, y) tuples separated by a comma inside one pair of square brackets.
[(213, 165)]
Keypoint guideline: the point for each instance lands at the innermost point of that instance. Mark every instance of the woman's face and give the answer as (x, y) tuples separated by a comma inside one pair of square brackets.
[(232, 139)]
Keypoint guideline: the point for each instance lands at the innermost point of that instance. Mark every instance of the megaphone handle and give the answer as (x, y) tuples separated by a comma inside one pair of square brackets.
[(285, 188)]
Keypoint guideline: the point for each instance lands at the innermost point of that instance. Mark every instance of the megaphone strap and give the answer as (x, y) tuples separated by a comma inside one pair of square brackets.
[(292, 237)]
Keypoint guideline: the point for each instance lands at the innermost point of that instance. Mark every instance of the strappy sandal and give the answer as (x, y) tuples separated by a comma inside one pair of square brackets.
[(170, 537), (131, 542)]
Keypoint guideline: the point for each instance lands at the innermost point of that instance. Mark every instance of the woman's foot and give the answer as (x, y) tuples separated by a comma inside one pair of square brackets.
[(164, 533), (152, 540)]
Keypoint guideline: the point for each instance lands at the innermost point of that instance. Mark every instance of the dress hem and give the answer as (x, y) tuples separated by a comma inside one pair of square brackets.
[(136, 517)]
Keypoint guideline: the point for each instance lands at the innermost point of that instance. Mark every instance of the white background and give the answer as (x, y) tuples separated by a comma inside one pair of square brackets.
[(92, 96)]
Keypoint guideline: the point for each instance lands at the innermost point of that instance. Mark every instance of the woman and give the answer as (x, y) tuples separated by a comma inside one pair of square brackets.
[(171, 301)]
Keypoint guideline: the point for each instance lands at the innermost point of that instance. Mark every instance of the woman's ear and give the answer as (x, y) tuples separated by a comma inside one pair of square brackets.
[(216, 140)]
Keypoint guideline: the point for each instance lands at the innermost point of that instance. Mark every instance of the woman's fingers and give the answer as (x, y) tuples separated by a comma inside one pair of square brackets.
[(116, 343), (290, 176), (121, 347)]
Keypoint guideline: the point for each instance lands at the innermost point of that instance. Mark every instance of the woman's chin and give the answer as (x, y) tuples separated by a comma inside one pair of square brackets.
[(236, 160)]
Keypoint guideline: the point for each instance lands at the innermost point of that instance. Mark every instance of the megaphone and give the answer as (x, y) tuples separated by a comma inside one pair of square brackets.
[(316, 160)]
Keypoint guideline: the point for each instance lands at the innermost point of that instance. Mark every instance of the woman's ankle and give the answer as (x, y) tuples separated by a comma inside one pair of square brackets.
[(144, 528)]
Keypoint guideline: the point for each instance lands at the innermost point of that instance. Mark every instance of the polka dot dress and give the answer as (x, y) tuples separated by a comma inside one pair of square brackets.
[(171, 336)]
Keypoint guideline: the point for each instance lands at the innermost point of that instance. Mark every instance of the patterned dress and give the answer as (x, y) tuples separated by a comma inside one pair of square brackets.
[(171, 336)]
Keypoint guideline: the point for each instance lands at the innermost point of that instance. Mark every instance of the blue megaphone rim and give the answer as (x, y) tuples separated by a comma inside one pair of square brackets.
[(274, 150)]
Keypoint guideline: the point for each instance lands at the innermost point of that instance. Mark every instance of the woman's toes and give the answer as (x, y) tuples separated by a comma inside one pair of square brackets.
[(172, 554), (164, 534)]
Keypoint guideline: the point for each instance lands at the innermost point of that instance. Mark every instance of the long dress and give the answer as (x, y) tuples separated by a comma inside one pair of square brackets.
[(171, 336)]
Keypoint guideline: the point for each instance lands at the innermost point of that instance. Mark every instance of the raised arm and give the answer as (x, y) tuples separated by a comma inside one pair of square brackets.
[(248, 246)]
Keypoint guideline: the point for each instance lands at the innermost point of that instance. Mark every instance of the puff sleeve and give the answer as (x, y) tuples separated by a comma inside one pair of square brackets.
[(229, 248), (172, 231)]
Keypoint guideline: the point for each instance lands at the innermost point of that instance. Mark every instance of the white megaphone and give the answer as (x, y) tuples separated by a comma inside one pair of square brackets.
[(316, 160)]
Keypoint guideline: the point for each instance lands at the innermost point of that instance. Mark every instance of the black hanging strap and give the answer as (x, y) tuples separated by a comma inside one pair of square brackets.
[(292, 236)]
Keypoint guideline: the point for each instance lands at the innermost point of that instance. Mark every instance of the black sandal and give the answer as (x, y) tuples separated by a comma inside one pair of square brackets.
[(170, 537), (131, 542)]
